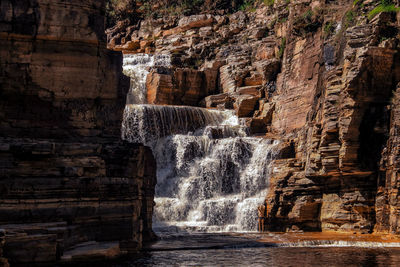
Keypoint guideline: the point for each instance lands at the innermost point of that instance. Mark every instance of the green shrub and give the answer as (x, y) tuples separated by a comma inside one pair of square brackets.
[(307, 15), (247, 5), (119, 10), (384, 6), (309, 21), (283, 20), (349, 18), (269, 2), (304, 18), (272, 24), (328, 28), (386, 2)]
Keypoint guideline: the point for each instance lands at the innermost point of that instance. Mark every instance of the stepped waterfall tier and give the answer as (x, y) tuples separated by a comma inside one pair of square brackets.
[(211, 184), (210, 175), (145, 123), (137, 68)]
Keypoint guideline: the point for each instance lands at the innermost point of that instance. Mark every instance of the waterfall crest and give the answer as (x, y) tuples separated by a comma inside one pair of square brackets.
[(211, 175), (137, 66), (146, 124)]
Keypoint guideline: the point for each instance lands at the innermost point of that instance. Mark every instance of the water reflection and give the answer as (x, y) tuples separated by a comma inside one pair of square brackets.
[(270, 256)]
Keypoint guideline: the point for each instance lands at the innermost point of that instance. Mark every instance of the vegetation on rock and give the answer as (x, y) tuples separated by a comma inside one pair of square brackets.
[(119, 10), (385, 6)]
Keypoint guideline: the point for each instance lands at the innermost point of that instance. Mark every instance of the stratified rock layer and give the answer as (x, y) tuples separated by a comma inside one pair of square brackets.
[(65, 175), (322, 75), (337, 181)]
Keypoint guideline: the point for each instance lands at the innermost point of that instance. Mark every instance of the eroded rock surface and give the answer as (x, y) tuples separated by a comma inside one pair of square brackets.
[(337, 181), (321, 75), (65, 175)]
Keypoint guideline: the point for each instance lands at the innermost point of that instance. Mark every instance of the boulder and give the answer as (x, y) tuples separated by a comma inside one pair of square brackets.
[(255, 79), (159, 88), (262, 118), (245, 105), (195, 21), (225, 100), (250, 90), (268, 69)]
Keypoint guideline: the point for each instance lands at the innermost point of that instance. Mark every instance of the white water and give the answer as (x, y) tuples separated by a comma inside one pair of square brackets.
[(137, 67), (147, 123), (210, 175), (211, 184)]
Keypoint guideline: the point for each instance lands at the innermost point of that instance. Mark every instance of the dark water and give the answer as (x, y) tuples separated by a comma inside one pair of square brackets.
[(238, 251), (271, 257)]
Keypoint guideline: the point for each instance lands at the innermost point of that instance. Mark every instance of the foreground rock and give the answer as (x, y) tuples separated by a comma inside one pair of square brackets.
[(90, 251), (65, 175)]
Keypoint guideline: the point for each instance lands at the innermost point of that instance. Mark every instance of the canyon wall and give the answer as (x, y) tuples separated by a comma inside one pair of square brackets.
[(66, 178), (321, 76)]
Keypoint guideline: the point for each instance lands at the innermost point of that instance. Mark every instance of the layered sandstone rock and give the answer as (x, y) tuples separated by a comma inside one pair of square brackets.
[(387, 201), (59, 194), (333, 184), (3, 261), (179, 86), (66, 178), (210, 54), (319, 74)]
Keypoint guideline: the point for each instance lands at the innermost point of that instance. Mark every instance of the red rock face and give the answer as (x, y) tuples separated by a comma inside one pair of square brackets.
[(159, 88), (66, 90), (338, 169), (66, 178), (303, 72), (387, 200), (181, 86), (297, 83)]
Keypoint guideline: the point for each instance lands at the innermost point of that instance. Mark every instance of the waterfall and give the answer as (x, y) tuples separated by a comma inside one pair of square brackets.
[(211, 175), (136, 66), (211, 184), (148, 123)]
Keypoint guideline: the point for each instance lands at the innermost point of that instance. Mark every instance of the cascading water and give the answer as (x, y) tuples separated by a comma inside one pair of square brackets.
[(145, 123), (211, 175), (136, 66), (211, 184)]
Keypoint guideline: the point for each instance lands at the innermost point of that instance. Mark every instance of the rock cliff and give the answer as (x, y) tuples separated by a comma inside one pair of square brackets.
[(320, 75), (66, 178)]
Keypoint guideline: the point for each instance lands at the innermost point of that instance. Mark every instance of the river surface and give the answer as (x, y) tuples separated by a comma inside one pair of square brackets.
[(271, 257), (227, 250)]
